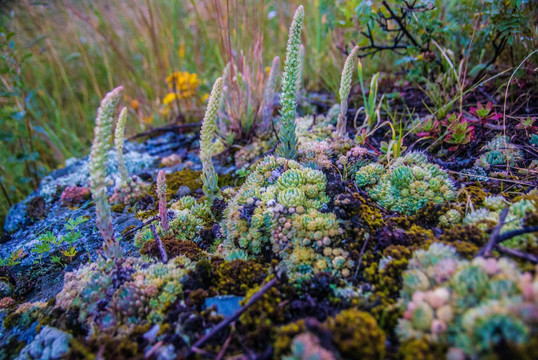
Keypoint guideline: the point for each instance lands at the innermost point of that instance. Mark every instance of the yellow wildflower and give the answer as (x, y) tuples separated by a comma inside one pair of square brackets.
[(169, 98), (205, 97), (183, 83), (181, 51)]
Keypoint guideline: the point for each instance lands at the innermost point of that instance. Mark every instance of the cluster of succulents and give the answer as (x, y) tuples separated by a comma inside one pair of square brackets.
[(407, 184), (277, 211), (50, 343), (488, 216), (308, 129), (499, 151), (248, 153), (113, 296), (188, 215), (471, 306)]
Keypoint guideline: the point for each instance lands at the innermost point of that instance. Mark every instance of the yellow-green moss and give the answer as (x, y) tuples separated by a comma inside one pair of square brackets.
[(473, 192), (118, 208), (284, 338), (467, 240), (421, 350), (356, 335), (261, 321), (237, 276)]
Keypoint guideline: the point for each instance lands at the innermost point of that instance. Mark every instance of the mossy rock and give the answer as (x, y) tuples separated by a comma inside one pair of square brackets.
[(174, 247)]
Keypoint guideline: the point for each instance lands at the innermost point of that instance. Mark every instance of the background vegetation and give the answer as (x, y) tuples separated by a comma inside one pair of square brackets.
[(58, 58)]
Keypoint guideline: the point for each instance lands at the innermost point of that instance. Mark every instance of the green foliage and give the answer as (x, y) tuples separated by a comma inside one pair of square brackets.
[(407, 184), (49, 244), (20, 141), (370, 105), (471, 306), (438, 22), (288, 141)]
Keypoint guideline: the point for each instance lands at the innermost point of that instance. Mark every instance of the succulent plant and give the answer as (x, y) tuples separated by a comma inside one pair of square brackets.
[(207, 134), (345, 87), (98, 170), (113, 297), (119, 139), (288, 140), (407, 184), (488, 216), (499, 151), (277, 212), (471, 306), (161, 194)]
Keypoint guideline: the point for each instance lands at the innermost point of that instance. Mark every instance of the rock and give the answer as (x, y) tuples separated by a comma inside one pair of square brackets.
[(42, 278), (16, 217), (226, 305)]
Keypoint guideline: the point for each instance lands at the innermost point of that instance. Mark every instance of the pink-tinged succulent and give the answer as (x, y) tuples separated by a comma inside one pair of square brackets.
[(527, 124), (429, 128), (484, 114), (73, 195), (459, 132), (161, 193)]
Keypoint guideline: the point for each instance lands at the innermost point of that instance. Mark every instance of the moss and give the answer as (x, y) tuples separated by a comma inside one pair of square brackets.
[(127, 229), (475, 193), (118, 208), (146, 215), (357, 206), (467, 239), (422, 350), (197, 298), (237, 276), (185, 177), (419, 236), (429, 215), (174, 247), (260, 322), (356, 335), (386, 279), (284, 337), (230, 180)]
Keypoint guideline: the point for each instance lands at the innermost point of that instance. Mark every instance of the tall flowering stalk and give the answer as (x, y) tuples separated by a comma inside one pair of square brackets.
[(98, 170), (300, 75), (345, 87), (119, 139), (209, 129), (288, 141), (161, 194)]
